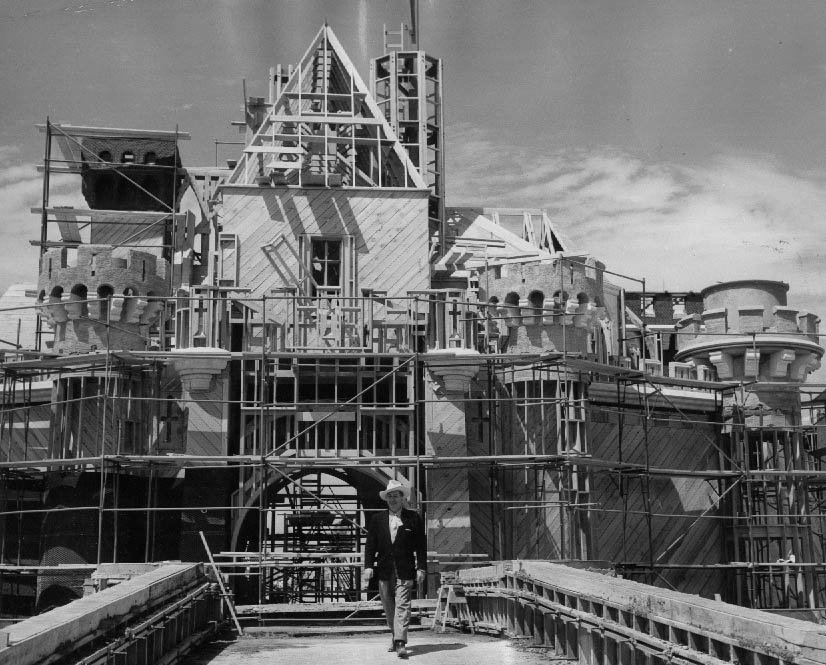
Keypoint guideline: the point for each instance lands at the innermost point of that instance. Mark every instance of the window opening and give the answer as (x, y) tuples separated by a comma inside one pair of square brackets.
[(326, 264), (647, 306)]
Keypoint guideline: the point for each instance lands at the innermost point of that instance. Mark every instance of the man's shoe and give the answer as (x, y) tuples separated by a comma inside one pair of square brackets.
[(392, 647), (401, 651)]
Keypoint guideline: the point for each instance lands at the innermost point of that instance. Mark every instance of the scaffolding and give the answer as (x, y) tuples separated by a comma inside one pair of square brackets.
[(269, 422), (132, 181), (308, 520)]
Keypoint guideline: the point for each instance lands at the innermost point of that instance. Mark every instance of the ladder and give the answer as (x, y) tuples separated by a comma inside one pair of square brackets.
[(451, 599)]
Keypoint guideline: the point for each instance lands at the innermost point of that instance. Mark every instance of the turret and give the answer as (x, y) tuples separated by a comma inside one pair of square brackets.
[(101, 297), (546, 306), (748, 333)]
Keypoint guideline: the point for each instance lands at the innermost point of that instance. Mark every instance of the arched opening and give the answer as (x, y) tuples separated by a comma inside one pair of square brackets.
[(105, 156), (105, 293), (150, 158), (77, 302), (314, 516), (128, 157), (560, 299), (55, 596), (536, 298)]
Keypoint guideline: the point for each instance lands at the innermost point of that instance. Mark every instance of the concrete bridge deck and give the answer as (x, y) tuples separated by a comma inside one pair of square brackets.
[(550, 612), (366, 648)]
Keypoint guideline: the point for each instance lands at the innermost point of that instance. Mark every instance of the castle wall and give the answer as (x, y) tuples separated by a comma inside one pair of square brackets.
[(448, 516), (206, 414), (536, 517), (130, 174), (544, 305), (677, 535), (100, 297), (28, 431), (86, 423), (389, 228), (573, 277), (733, 296), (526, 424)]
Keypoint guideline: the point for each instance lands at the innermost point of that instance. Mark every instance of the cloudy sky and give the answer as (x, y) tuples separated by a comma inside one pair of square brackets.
[(681, 141)]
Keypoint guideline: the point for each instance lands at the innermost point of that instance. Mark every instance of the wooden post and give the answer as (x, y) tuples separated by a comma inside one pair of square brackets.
[(224, 594)]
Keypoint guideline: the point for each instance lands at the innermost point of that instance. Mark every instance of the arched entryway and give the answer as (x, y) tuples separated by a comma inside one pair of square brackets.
[(309, 528)]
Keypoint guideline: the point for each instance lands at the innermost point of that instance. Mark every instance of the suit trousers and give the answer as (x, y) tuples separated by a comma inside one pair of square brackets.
[(396, 598)]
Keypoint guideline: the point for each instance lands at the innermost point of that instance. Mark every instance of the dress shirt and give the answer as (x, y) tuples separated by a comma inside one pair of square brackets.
[(395, 525)]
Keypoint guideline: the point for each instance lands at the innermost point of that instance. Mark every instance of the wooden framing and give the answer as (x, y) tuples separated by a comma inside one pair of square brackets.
[(325, 129), (408, 88)]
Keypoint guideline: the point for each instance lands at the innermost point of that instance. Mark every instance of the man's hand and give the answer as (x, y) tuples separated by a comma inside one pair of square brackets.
[(366, 576), (421, 576)]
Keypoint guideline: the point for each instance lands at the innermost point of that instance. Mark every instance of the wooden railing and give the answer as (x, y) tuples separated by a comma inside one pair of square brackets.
[(327, 320)]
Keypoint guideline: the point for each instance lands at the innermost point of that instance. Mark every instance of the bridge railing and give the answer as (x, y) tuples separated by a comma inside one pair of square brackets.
[(151, 618), (597, 619)]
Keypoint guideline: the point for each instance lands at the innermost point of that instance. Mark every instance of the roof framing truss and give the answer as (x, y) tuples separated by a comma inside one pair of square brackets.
[(325, 129)]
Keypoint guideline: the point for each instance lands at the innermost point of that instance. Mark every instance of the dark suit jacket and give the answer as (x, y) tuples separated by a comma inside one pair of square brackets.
[(408, 552)]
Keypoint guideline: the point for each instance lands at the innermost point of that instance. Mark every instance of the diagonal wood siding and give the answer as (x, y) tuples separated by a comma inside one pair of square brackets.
[(680, 532), (448, 514), (389, 227)]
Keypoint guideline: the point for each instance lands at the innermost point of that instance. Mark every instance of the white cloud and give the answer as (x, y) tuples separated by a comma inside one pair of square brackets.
[(21, 188), (680, 227), (17, 173), (8, 151)]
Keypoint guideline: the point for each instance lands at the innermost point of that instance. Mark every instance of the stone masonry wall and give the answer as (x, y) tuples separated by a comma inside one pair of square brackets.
[(101, 298)]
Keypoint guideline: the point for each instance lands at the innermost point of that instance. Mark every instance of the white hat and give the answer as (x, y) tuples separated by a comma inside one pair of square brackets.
[(395, 486)]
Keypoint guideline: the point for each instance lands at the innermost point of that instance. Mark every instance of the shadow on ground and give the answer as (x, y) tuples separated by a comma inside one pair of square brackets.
[(421, 649)]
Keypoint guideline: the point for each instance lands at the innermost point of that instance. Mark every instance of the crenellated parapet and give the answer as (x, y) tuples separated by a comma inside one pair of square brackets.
[(544, 306), (747, 332), (101, 297)]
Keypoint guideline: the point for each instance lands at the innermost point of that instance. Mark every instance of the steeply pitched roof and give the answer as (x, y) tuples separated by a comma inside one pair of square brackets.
[(530, 224), (477, 240), (325, 128)]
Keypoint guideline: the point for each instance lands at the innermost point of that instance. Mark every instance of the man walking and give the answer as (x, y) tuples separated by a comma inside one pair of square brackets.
[(396, 552)]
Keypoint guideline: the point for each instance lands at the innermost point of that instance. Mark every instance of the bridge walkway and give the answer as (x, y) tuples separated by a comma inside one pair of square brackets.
[(366, 648)]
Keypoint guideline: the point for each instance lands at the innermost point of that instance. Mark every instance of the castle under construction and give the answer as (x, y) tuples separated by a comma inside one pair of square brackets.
[(237, 359)]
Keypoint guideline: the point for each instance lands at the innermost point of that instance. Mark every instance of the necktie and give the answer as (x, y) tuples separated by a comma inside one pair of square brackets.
[(395, 524)]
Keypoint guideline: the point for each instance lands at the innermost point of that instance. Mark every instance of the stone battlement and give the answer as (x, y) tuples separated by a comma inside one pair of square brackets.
[(532, 328), (751, 320), (83, 293), (746, 331)]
